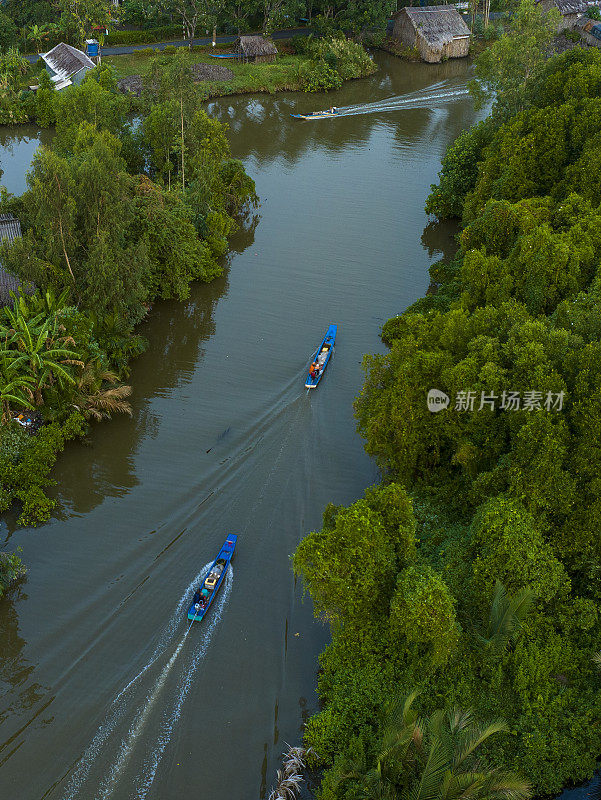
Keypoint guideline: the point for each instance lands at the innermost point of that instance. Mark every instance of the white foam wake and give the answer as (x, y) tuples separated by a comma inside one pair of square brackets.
[(150, 768), (413, 100), (118, 705)]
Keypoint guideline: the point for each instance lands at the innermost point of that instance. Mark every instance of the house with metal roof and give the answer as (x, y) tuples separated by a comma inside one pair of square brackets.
[(10, 229), (66, 65)]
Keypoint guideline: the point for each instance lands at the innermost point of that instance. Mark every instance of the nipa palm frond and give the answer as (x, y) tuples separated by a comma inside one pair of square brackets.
[(506, 786), (427, 786)]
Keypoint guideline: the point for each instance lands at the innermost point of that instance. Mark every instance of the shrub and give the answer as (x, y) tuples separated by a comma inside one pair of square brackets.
[(349, 59), (301, 45), (169, 50), (25, 462), (11, 569), (317, 76), (593, 12)]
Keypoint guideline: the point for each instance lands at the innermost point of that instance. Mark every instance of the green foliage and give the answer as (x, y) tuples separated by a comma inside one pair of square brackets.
[(504, 68), (45, 101), (510, 548), (499, 586), (102, 239), (25, 462), (459, 171), (348, 566), (507, 614), (422, 613), (11, 569), (334, 60), (348, 59), (8, 31), (317, 76), (593, 12)]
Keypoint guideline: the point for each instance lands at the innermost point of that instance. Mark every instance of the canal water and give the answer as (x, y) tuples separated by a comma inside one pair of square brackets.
[(103, 691)]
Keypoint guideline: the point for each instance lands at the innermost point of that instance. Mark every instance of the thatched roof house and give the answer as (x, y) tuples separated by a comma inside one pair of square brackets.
[(570, 10), (10, 229), (437, 31), (255, 48), (66, 65)]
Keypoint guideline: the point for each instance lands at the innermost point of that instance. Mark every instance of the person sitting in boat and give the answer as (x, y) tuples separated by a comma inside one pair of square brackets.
[(314, 369), (333, 110), (200, 598)]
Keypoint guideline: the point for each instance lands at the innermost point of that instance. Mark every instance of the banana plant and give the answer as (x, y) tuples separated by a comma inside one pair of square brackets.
[(38, 355)]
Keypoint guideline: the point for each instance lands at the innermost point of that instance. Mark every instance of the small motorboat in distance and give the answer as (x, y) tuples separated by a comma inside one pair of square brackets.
[(205, 593), (317, 114), (321, 358)]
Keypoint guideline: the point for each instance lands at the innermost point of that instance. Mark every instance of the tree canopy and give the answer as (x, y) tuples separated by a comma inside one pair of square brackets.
[(492, 600)]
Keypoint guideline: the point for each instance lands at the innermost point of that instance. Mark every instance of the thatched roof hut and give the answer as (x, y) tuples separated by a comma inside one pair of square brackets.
[(570, 10), (437, 31), (10, 229), (255, 48), (66, 65)]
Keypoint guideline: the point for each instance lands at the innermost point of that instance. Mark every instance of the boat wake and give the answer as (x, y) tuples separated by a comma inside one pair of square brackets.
[(123, 701), (428, 99)]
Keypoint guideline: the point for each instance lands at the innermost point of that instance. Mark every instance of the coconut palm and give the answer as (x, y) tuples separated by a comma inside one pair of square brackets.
[(94, 400), (507, 615)]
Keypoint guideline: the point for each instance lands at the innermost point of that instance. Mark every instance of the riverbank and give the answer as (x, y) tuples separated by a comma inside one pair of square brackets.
[(148, 499), (301, 65), (467, 579)]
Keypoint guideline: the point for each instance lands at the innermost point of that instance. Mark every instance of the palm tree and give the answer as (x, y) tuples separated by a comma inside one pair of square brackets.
[(453, 769), (507, 614), (96, 402), (435, 759)]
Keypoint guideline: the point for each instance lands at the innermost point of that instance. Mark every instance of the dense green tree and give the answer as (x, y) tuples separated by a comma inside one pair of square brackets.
[(422, 613), (87, 13), (348, 566), (510, 548), (8, 31), (506, 66), (502, 584), (506, 617)]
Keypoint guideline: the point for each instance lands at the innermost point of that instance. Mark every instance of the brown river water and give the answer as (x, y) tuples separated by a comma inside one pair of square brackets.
[(102, 693)]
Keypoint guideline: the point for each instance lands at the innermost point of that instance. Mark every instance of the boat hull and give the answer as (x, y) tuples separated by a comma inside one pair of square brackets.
[(325, 115), (226, 553), (328, 339)]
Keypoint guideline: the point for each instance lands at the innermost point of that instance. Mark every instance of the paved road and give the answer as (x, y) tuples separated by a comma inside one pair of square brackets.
[(125, 49)]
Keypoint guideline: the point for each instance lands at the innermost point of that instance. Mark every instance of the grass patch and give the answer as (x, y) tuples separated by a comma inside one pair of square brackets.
[(282, 74)]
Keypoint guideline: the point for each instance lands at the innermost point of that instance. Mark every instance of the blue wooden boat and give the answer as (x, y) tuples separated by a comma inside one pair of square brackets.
[(322, 357), (316, 114), (206, 592)]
